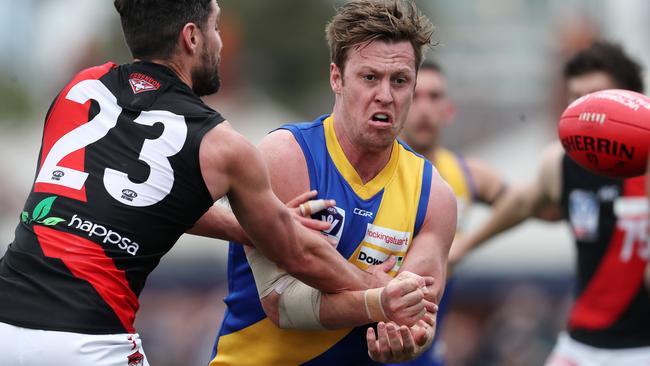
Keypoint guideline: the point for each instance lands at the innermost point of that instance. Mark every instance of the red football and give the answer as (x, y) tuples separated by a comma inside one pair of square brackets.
[(608, 132)]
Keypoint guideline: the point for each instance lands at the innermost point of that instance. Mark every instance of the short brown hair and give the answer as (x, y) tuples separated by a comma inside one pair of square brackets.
[(609, 58), (362, 21)]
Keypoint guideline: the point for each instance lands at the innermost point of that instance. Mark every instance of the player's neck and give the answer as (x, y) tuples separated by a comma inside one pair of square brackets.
[(367, 163), (182, 72)]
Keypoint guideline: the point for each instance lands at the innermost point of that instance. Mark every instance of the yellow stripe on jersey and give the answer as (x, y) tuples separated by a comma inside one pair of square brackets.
[(265, 344), (369, 189), (450, 169), (391, 232)]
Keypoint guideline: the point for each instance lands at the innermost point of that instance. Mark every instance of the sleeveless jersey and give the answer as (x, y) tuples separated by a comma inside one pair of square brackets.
[(117, 182), (454, 171), (370, 222), (608, 218)]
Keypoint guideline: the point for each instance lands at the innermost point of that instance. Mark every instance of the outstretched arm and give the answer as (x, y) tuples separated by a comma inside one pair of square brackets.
[(489, 184), (522, 201)]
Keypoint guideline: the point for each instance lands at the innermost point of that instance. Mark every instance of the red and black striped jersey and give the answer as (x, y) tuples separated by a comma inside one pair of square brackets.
[(608, 218), (118, 181)]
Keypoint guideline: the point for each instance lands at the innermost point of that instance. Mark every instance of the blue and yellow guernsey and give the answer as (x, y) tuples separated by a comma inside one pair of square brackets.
[(453, 169), (370, 222)]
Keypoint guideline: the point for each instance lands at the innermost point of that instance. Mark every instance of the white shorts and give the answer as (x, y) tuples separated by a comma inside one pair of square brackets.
[(32, 347), (569, 352)]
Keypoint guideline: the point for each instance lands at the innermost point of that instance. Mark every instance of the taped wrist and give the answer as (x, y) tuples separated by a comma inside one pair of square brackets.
[(374, 309), (299, 306), (266, 273)]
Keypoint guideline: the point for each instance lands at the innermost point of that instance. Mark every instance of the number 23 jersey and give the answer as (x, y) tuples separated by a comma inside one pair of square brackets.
[(117, 182)]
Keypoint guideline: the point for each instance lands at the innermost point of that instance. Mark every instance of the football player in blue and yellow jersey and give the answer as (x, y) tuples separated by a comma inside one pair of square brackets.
[(393, 211), (471, 180)]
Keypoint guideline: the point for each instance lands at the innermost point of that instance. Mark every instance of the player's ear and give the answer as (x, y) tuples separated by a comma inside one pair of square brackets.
[(336, 78), (190, 38)]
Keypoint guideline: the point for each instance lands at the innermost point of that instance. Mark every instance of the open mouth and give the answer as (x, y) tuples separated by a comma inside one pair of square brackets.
[(381, 118)]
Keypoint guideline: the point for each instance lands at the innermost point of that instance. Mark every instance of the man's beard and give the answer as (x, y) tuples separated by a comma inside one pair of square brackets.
[(205, 79)]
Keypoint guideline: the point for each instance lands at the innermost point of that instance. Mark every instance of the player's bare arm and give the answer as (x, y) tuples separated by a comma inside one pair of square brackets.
[(524, 200), (236, 168), (488, 183), (220, 223)]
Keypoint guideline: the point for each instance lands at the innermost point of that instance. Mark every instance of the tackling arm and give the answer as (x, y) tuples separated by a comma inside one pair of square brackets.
[(219, 222)]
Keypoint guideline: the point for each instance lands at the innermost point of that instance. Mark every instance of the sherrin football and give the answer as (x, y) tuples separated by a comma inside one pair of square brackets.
[(608, 132)]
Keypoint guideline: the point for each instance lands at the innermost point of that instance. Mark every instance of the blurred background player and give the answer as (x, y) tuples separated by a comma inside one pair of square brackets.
[(609, 323), (471, 180), (390, 203)]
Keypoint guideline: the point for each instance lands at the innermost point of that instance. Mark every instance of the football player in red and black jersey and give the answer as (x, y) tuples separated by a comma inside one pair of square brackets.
[(609, 323), (130, 160)]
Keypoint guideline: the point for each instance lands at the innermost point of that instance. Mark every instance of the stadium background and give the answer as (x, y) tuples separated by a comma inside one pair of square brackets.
[(503, 62)]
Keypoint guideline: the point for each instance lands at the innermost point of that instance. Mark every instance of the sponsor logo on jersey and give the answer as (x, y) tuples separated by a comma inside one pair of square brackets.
[(584, 212), (371, 256), (360, 212), (129, 194), (57, 174), (136, 359), (142, 83), (393, 240), (335, 216), (110, 236), (39, 215)]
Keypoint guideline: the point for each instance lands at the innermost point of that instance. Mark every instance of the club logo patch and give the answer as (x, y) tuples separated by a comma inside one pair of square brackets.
[(335, 216), (142, 83), (584, 212), (135, 359)]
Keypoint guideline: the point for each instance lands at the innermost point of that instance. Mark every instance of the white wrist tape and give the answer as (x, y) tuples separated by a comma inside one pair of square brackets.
[(374, 309), (267, 275), (300, 306)]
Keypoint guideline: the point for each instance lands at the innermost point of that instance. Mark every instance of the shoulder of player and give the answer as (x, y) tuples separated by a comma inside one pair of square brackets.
[(223, 146), (441, 200), (286, 163), (280, 144), (95, 72)]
